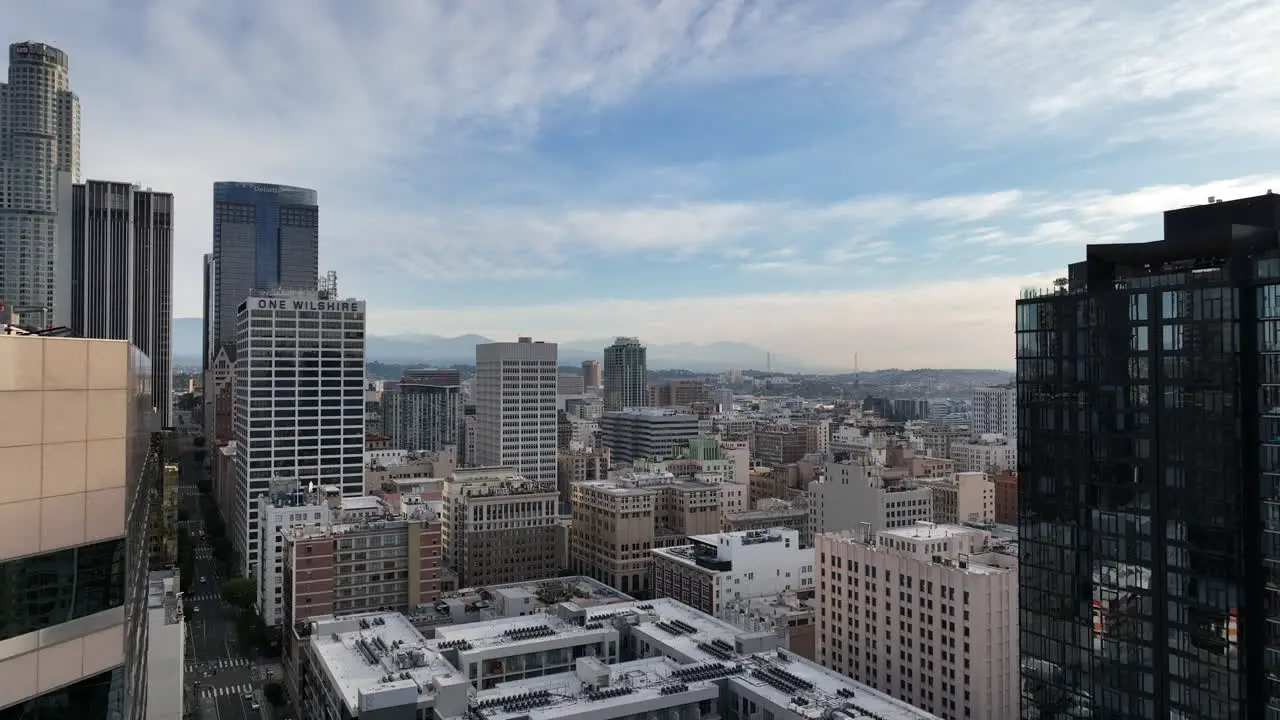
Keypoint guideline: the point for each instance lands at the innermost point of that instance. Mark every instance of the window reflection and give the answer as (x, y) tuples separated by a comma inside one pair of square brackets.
[(95, 698), (43, 590)]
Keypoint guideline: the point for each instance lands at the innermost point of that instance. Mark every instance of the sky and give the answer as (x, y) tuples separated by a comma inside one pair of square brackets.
[(818, 178)]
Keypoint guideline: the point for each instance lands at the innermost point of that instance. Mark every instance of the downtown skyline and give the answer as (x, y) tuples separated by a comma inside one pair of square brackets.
[(884, 188)]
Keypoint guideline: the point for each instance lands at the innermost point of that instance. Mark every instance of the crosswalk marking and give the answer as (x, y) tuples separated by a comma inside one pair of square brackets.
[(219, 664), (203, 596), (217, 692)]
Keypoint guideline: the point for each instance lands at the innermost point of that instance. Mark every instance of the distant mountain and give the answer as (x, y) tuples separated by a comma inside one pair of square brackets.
[(445, 351)]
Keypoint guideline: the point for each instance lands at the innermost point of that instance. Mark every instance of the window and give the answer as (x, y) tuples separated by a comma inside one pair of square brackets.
[(88, 699), (64, 585)]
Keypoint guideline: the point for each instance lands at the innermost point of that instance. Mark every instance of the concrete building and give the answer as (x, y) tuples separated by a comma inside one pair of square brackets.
[(424, 411), (499, 527), (790, 615), (265, 238), (966, 497), (779, 444), (655, 659), (299, 407), (515, 392), (927, 613), (640, 432), (1006, 498), (570, 384), (851, 495), (77, 464), (39, 160), (714, 570), (987, 453), (626, 374), (994, 411), (162, 528), (617, 522), (681, 392), (772, 513), (121, 274), (591, 374), (284, 506), (166, 647), (579, 465)]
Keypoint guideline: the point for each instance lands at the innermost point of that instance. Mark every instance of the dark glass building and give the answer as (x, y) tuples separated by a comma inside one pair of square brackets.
[(265, 237), (1148, 388)]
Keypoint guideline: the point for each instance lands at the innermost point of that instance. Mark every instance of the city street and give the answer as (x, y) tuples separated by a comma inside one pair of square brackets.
[(225, 681)]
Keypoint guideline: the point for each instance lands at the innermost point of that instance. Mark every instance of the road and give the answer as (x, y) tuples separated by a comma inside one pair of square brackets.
[(224, 675)]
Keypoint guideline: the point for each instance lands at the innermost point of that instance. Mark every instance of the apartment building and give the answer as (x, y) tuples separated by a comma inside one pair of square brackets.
[(1006, 484), (656, 659), (579, 465), (499, 527), (617, 522), (988, 453), (424, 412), (966, 497), (714, 570), (515, 394), (994, 411), (927, 613), (641, 432), (851, 495), (284, 506), (77, 466), (626, 376), (780, 444), (681, 392)]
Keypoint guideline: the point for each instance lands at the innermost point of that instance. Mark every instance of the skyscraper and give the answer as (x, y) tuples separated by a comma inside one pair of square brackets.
[(591, 373), (515, 393), (1148, 389), (121, 274), (265, 237), (39, 159), (424, 412), (626, 377)]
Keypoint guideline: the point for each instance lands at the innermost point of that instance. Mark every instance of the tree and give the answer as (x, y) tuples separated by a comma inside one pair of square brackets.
[(240, 592), (198, 441), (205, 486), (274, 693)]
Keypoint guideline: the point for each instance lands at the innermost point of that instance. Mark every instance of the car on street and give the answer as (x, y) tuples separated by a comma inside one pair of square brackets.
[(202, 580)]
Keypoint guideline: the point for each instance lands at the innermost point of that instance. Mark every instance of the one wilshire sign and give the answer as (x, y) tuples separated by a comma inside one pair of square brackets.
[(307, 305)]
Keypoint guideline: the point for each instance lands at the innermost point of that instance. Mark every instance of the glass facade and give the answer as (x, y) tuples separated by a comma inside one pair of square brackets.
[(40, 591), (95, 698), (1148, 404)]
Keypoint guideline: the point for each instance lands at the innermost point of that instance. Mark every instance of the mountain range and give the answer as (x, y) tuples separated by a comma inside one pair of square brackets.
[(444, 351)]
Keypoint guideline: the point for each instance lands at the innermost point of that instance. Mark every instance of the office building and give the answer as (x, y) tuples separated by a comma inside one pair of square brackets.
[(656, 659), (681, 392), (926, 613), (643, 432), (424, 411), (617, 522), (78, 466), (121, 274), (286, 505), (40, 156), (569, 384), (772, 513), (963, 497), (713, 571), (1148, 386), (265, 237), (299, 401), (499, 527), (988, 453), (515, 393), (780, 444), (994, 411), (626, 374), (852, 494), (591, 374)]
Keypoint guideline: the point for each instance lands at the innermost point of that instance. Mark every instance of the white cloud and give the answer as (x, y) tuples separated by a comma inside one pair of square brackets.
[(944, 324)]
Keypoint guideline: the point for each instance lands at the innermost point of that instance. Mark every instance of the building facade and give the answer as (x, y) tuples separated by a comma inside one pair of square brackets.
[(591, 374), (714, 571), (994, 411), (626, 374), (1149, 472), (642, 432), (499, 527), (121, 274), (39, 160), (265, 237), (299, 407), (515, 393), (424, 411)]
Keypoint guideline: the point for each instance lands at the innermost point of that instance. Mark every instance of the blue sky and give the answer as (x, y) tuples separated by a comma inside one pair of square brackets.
[(817, 178)]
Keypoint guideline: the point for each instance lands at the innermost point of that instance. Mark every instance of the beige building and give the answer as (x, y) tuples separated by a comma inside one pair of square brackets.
[(499, 527), (579, 465), (76, 463), (966, 497), (926, 613), (616, 523)]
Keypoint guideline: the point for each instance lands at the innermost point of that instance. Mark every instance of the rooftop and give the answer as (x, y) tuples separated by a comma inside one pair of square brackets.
[(163, 590), (485, 603)]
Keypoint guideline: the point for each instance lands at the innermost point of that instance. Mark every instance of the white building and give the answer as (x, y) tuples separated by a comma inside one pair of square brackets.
[(645, 432), (714, 570), (515, 394), (284, 507), (166, 645), (927, 613), (985, 453), (655, 659), (852, 494), (994, 411), (299, 410)]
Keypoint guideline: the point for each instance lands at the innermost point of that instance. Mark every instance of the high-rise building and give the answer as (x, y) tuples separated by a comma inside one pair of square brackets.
[(121, 274), (1149, 473), (994, 411), (77, 467), (644, 432), (626, 375), (515, 393), (591, 374), (39, 160), (265, 237), (299, 405), (424, 411)]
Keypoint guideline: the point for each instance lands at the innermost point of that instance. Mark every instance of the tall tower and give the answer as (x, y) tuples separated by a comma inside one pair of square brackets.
[(39, 160), (515, 393), (425, 411), (626, 376), (121, 274), (1148, 400), (591, 374), (265, 238)]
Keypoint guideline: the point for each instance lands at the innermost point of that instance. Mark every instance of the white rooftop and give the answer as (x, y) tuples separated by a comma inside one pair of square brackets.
[(362, 502)]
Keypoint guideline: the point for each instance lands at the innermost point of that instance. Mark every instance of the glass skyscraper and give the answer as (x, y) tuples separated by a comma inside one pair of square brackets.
[(265, 237), (1148, 386)]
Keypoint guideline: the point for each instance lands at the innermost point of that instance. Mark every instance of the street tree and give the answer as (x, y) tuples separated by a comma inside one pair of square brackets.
[(274, 692), (240, 592)]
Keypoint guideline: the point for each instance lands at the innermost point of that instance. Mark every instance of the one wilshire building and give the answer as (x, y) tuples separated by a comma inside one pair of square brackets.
[(1148, 386)]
